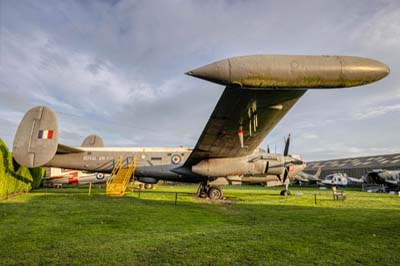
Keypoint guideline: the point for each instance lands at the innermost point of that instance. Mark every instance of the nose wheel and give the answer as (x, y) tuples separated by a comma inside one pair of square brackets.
[(212, 192)]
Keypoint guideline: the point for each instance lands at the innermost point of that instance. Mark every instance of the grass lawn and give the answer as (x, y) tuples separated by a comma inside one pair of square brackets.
[(255, 226)]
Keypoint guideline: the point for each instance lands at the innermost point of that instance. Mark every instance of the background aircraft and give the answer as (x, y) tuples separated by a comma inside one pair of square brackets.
[(340, 179), (259, 91), (308, 178), (389, 178), (58, 177)]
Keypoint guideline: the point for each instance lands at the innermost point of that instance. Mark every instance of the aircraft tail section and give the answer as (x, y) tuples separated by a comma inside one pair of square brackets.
[(93, 141), (318, 173), (36, 140)]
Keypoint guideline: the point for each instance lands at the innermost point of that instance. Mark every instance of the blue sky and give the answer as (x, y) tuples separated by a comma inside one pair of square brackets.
[(115, 68)]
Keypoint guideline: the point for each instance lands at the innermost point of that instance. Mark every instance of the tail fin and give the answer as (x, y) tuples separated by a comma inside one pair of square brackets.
[(93, 141), (318, 173), (36, 140)]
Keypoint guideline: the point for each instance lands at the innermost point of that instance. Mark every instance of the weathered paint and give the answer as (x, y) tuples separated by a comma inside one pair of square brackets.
[(293, 71)]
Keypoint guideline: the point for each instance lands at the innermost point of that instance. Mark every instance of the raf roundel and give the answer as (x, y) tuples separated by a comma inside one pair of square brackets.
[(175, 159), (99, 176)]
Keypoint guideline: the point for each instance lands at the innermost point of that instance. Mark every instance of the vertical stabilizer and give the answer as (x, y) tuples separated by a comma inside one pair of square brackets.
[(36, 140), (318, 173), (93, 141)]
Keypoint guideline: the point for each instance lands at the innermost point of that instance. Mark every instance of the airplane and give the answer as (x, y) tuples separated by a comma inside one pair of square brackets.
[(339, 179), (259, 91), (309, 178), (390, 178), (59, 177)]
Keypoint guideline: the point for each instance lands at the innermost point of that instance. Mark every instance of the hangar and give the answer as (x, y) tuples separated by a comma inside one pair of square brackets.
[(356, 166)]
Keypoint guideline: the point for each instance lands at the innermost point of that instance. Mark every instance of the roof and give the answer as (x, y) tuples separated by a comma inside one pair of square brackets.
[(377, 161)]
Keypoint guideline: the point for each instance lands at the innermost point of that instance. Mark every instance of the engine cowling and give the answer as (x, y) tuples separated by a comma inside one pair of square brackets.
[(230, 167), (148, 180)]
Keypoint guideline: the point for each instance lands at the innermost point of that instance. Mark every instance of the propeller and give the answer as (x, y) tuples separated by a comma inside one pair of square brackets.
[(268, 151), (291, 162), (286, 151), (285, 175)]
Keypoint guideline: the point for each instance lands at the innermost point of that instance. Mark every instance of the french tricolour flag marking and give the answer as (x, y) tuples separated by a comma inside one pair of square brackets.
[(45, 134)]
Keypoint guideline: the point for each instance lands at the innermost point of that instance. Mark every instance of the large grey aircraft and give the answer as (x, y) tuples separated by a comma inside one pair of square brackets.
[(259, 91)]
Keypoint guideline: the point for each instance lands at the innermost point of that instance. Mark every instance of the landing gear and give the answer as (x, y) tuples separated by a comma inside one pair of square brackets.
[(215, 193), (148, 186), (286, 191), (212, 192)]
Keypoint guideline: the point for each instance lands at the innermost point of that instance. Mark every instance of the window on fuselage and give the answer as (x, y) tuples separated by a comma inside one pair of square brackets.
[(156, 158)]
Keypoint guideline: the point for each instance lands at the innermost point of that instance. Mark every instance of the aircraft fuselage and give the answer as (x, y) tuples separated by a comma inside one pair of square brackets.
[(155, 164)]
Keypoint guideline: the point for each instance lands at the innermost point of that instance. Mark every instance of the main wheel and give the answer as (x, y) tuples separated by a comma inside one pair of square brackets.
[(215, 193), (285, 192), (148, 186)]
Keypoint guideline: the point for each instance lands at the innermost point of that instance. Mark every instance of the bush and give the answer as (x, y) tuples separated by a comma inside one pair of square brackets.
[(37, 174), (15, 178)]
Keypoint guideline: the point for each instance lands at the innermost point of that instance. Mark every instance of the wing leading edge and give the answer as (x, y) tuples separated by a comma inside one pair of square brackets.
[(250, 113)]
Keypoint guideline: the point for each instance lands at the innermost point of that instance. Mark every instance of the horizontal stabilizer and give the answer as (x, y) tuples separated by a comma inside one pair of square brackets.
[(64, 149), (36, 140)]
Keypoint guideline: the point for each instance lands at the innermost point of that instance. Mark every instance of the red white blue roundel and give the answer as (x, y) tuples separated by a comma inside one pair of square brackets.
[(175, 159), (100, 176)]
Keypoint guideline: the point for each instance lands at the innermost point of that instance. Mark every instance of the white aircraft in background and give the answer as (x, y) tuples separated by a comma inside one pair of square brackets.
[(59, 177), (340, 179)]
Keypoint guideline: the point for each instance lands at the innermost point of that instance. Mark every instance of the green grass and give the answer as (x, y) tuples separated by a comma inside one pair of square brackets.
[(254, 226)]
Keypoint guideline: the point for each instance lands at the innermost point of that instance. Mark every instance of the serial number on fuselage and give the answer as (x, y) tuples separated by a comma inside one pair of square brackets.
[(97, 158)]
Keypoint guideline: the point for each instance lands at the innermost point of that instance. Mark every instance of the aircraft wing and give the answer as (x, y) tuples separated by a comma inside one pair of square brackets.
[(250, 112), (313, 178)]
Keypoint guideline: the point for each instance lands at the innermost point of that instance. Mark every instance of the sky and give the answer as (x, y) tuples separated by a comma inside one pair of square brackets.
[(116, 69)]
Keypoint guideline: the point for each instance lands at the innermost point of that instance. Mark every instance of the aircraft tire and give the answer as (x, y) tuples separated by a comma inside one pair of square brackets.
[(203, 195), (285, 193), (215, 193), (148, 186)]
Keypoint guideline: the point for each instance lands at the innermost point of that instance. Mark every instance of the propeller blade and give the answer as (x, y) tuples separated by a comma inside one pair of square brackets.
[(266, 168), (286, 152), (297, 162), (286, 174)]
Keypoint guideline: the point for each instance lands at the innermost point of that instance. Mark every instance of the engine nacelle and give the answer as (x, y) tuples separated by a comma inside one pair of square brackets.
[(148, 180), (230, 167)]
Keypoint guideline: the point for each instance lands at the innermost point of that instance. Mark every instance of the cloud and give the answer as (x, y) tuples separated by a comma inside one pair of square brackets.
[(115, 68), (376, 111)]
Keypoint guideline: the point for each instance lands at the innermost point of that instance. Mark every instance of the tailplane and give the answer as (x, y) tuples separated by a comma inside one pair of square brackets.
[(36, 140)]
